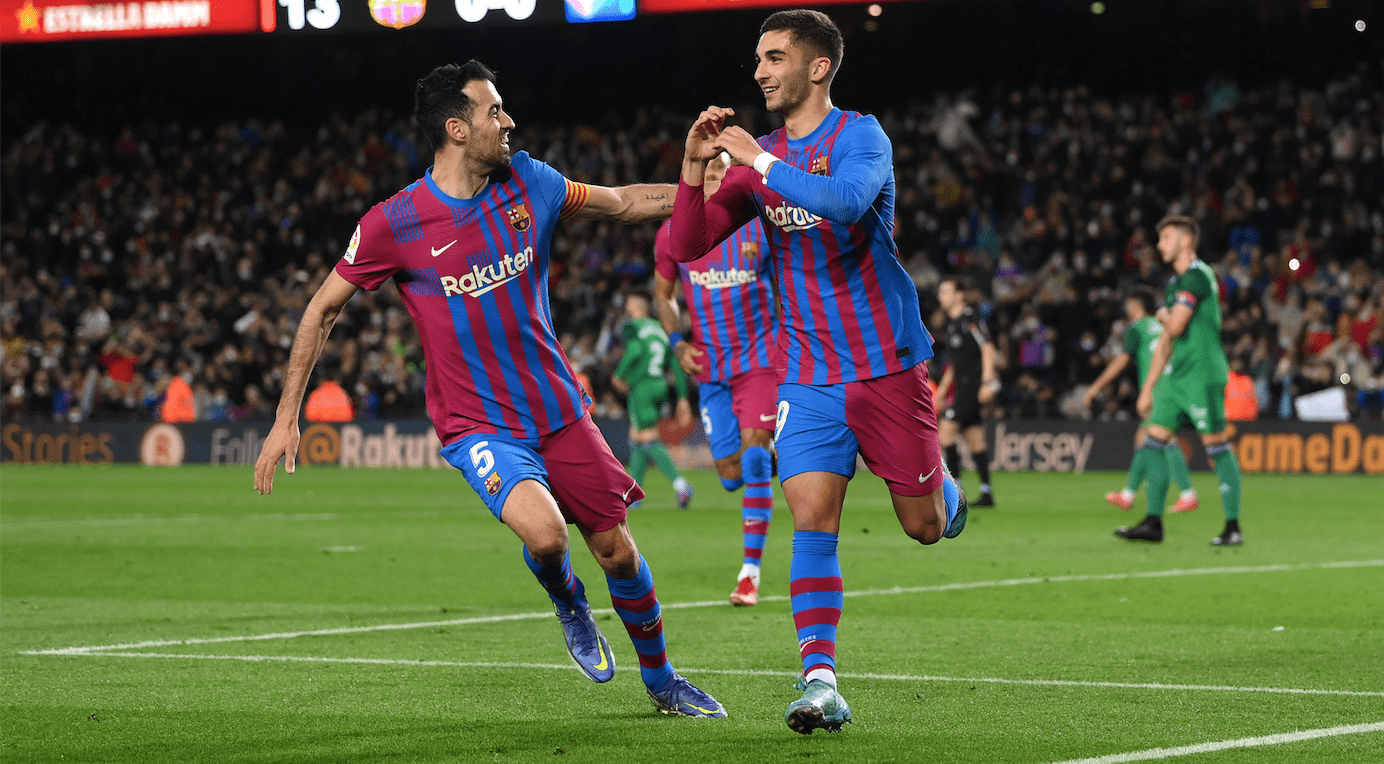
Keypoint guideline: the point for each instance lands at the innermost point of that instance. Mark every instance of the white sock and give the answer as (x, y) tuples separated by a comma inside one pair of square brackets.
[(1190, 493), (1125, 492), (680, 484), (749, 570), (826, 675)]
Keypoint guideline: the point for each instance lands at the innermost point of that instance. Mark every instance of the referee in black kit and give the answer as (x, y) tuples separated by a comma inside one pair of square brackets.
[(971, 370)]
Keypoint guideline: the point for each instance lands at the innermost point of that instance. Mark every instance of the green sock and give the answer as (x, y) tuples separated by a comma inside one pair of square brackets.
[(1156, 464), (1228, 475), (639, 462), (663, 459), (1137, 467), (1177, 466)]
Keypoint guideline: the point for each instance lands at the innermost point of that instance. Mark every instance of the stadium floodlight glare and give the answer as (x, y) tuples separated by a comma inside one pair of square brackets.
[(1359, 25), (875, 9), (1294, 264), (1098, 8)]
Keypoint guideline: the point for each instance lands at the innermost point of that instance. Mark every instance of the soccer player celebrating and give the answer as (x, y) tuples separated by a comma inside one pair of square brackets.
[(643, 377), (1196, 379), (467, 246), (1140, 340), (971, 374), (728, 351), (851, 342)]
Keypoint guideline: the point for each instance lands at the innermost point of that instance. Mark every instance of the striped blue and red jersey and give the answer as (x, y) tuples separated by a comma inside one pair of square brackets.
[(730, 301), (850, 310), (473, 274)]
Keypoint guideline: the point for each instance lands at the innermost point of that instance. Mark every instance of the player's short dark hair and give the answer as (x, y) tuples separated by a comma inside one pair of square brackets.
[(812, 31), (441, 96), (961, 284), (1184, 222), (1146, 298)]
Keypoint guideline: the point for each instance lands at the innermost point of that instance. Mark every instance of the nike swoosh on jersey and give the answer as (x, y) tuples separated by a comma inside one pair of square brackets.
[(440, 250), (923, 478), (769, 418)]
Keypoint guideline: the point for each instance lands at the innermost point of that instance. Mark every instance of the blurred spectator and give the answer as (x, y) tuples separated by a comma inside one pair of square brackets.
[(156, 252)]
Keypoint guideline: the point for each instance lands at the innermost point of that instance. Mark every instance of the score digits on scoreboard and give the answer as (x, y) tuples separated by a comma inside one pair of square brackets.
[(475, 10), (323, 15), (367, 15)]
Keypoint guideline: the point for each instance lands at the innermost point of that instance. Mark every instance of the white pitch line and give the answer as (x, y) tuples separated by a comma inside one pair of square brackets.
[(143, 520), (85, 650), (1245, 742), (753, 672)]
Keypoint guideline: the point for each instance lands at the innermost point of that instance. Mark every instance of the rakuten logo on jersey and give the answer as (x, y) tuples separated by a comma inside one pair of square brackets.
[(790, 218), (481, 280), (714, 279)]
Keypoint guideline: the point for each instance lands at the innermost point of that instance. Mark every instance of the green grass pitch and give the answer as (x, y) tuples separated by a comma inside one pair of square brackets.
[(1035, 637)]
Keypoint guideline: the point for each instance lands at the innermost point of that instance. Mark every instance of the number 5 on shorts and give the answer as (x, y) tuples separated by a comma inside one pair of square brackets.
[(782, 418), (482, 459)]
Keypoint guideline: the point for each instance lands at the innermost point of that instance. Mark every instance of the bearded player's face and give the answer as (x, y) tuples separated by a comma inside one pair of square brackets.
[(781, 70), (487, 143)]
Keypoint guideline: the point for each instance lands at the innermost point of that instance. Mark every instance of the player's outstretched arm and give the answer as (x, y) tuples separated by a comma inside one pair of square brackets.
[(318, 319), (628, 204), (861, 162)]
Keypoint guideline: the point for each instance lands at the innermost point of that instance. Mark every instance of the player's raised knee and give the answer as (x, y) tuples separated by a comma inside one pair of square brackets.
[(757, 464)]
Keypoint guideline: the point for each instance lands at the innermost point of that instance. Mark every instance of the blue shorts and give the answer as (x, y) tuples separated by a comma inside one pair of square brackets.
[(718, 418), (889, 421), (590, 486)]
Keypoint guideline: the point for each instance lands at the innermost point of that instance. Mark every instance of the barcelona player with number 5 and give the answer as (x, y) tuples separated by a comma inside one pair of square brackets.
[(729, 352), (467, 246), (852, 343)]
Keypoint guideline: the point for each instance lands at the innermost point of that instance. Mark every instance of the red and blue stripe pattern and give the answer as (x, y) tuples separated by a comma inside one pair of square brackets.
[(473, 274), (637, 605), (757, 505), (730, 300), (818, 595), (850, 309)]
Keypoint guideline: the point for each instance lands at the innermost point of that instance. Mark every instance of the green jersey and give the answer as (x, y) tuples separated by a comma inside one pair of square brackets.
[(1198, 355), (1140, 339), (648, 358)]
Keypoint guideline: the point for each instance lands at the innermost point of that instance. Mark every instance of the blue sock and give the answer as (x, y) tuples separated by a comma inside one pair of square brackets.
[(561, 583), (732, 485), (818, 596), (637, 605), (757, 505)]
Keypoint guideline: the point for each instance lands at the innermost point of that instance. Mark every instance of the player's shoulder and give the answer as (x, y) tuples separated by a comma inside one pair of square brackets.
[(862, 124), (387, 215)]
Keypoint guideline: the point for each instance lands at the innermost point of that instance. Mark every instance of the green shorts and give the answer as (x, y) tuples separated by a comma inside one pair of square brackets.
[(1191, 400), (645, 404)]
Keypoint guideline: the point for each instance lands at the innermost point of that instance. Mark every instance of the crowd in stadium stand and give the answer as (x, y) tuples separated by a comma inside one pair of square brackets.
[(175, 250)]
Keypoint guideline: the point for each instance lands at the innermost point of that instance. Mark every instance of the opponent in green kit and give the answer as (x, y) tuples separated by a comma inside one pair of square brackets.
[(1197, 376), (1140, 339), (643, 376)]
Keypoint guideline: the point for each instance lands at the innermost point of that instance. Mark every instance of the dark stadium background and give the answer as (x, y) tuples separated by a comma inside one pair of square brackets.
[(589, 82), (684, 61)]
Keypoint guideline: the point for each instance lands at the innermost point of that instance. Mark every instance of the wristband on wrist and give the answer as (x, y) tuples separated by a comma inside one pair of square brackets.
[(763, 162), (675, 339)]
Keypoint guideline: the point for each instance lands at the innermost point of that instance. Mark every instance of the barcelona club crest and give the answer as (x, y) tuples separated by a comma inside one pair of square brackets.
[(821, 165), (519, 218), (749, 249), (493, 483), (397, 14)]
